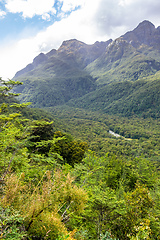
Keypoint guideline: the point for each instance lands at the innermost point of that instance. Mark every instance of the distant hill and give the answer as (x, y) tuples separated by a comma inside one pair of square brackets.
[(120, 76)]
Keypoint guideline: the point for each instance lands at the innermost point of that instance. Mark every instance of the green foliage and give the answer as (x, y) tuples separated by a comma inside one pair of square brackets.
[(11, 224), (106, 236), (48, 206), (72, 151), (37, 199), (120, 196), (40, 136), (139, 137), (14, 156), (51, 189), (6, 87), (125, 98), (46, 91), (41, 130)]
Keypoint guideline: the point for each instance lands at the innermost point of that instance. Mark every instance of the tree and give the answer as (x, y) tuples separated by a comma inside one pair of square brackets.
[(71, 150), (6, 86), (12, 131), (119, 201), (34, 201), (40, 134)]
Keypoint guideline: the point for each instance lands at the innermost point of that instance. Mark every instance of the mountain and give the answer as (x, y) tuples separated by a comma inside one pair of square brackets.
[(73, 52), (121, 61), (112, 76), (58, 76), (132, 56), (144, 34)]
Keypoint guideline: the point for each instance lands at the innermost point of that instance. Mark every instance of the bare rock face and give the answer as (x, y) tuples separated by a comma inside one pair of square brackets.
[(145, 33), (81, 53)]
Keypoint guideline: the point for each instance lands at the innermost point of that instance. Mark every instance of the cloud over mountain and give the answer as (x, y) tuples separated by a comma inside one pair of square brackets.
[(85, 20)]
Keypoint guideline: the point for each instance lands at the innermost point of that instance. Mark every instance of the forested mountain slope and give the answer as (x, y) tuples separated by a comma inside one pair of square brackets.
[(124, 98), (120, 76), (70, 178)]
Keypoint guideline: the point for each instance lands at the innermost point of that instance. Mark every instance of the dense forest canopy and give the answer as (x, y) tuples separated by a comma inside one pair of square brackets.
[(64, 176)]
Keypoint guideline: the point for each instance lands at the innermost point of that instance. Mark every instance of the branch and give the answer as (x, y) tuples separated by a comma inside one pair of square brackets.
[(63, 218), (3, 236)]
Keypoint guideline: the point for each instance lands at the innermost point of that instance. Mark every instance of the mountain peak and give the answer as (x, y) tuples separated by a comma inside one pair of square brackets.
[(145, 33), (146, 24), (39, 59), (71, 44), (145, 29)]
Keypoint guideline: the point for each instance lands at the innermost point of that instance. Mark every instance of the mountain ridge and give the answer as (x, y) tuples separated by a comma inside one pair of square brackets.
[(76, 69), (144, 29), (144, 33), (95, 50)]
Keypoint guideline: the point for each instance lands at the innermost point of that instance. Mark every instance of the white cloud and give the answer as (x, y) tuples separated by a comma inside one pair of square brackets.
[(69, 5), (46, 16), (125, 2), (30, 8), (15, 56), (2, 14), (94, 20)]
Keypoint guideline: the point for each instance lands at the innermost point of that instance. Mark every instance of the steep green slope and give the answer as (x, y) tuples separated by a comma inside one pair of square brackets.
[(117, 77), (134, 55), (53, 83), (144, 101), (126, 98), (58, 76), (120, 62)]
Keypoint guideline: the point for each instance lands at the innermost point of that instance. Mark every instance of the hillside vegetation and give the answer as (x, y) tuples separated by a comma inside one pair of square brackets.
[(82, 160), (116, 77), (88, 185), (126, 98)]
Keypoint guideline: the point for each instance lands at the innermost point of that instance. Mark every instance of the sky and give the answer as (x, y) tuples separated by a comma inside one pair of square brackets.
[(29, 27)]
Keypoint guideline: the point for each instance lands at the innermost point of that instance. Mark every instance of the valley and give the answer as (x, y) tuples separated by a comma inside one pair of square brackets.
[(81, 161)]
